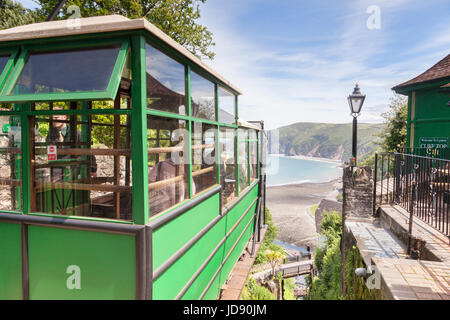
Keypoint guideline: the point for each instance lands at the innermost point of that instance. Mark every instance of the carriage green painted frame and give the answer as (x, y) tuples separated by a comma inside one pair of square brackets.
[(237, 217), (108, 94)]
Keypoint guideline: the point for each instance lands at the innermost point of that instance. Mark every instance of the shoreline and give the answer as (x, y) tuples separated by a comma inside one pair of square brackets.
[(327, 160), (301, 183), (290, 208)]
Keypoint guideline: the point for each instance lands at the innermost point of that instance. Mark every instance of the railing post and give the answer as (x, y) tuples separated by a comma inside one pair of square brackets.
[(375, 184)]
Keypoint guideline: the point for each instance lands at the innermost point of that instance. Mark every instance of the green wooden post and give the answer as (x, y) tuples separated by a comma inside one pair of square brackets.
[(249, 177), (26, 158), (408, 120), (217, 134), (236, 160), (189, 123), (139, 154)]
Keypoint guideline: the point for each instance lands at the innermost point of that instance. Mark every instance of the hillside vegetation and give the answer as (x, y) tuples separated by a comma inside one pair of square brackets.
[(327, 140)]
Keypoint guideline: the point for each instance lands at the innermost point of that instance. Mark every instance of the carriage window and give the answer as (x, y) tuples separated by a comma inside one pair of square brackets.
[(9, 107), (243, 159), (67, 71), (227, 164), (253, 155), (204, 173), (203, 98), (10, 163), (165, 82), (227, 109), (168, 163), (3, 61), (81, 165)]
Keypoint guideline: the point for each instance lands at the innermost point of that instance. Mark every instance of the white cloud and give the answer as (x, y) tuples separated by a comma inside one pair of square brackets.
[(282, 86)]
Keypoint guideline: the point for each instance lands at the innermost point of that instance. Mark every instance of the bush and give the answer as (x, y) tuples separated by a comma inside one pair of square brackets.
[(252, 291), (327, 285), (267, 244)]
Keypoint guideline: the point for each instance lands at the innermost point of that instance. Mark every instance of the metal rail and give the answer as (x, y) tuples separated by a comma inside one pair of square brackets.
[(419, 184)]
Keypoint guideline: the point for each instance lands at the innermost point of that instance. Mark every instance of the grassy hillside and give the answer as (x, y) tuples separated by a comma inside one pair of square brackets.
[(326, 140)]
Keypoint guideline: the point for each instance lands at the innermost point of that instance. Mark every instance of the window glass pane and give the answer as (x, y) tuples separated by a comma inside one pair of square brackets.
[(227, 164), (204, 172), (82, 165), (10, 163), (202, 98), (165, 82), (9, 107), (227, 109), (253, 155), (168, 163), (67, 71), (3, 61), (243, 159)]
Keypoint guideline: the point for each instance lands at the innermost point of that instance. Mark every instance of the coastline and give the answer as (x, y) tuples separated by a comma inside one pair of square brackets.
[(339, 162), (290, 208)]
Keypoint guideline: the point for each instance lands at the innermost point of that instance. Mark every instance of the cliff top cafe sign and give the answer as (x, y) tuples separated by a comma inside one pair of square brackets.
[(434, 142)]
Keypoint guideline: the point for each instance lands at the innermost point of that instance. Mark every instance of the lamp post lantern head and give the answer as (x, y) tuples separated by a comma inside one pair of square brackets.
[(356, 100)]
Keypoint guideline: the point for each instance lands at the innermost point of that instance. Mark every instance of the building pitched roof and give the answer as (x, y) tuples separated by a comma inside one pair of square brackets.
[(440, 70), (102, 24)]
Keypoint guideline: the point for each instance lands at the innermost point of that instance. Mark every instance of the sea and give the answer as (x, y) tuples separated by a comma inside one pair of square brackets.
[(283, 170)]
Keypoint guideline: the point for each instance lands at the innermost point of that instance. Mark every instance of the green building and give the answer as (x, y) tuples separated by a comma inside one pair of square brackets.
[(428, 107), (125, 171)]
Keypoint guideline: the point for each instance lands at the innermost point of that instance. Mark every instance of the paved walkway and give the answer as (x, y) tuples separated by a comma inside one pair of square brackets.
[(436, 242), (383, 243), (375, 241), (408, 279)]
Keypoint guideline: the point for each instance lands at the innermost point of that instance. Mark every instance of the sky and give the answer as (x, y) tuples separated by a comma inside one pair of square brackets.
[(298, 60)]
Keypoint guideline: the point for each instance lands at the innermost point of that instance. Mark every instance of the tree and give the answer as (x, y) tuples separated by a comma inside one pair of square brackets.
[(274, 258), (177, 18), (395, 119), (13, 14)]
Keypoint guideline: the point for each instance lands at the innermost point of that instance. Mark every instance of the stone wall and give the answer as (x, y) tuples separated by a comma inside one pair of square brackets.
[(357, 205), (358, 192)]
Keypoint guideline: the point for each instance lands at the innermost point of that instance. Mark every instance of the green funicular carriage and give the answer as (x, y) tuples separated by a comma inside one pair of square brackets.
[(125, 170)]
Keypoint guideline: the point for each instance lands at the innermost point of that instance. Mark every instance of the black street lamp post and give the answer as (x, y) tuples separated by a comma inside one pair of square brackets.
[(355, 100)]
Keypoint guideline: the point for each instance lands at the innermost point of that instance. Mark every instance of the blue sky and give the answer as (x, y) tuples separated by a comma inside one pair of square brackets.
[(297, 60)]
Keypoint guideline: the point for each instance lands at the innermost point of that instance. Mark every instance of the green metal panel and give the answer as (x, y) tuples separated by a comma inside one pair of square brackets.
[(170, 283), (234, 256), (205, 276), (173, 235), (107, 264), (139, 132), (213, 291), (10, 261), (432, 115)]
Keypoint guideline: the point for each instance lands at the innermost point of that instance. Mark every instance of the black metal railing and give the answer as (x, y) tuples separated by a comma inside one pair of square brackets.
[(419, 184)]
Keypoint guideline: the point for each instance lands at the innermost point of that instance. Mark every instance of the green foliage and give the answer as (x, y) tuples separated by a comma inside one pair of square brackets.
[(267, 244), (313, 209), (252, 291), (356, 288), (13, 14), (327, 285), (340, 197), (396, 117), (289, 287), (177, 18), (331, 226)]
